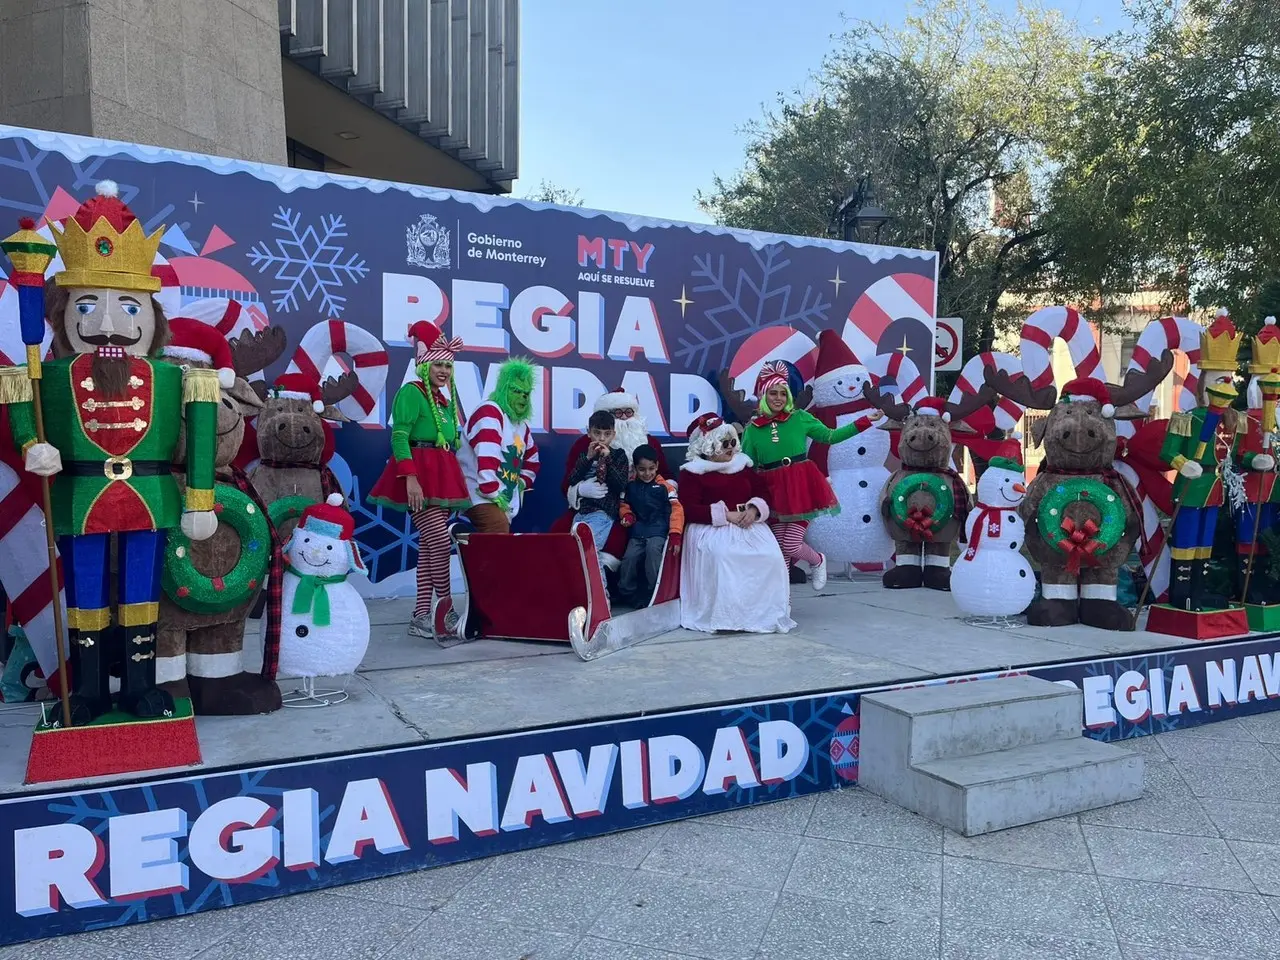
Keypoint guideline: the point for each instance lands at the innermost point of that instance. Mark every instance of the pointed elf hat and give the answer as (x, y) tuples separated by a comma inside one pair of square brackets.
[(833, 354), (1089, 388), (331, 519), (298, 386), (430, 343), (197, 341), (1008, 457)]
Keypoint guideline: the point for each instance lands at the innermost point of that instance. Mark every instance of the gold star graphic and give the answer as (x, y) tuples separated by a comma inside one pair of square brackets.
[(684, 301), (904, 349), (837, 281)]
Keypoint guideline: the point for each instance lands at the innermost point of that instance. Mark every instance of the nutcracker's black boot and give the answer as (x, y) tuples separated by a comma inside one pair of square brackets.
[(1180, 584), (90, 693), (1259, 591), (139, 694), (1202, 597)]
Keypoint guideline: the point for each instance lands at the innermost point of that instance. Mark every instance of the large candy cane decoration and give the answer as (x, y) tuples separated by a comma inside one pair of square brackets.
[(1057, 323), (902, 369), (369, 360), (969, 383), (1167, 333)]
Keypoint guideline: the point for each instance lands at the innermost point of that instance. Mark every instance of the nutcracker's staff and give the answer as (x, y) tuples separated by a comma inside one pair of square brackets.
[(1270, 385), (31, 255)]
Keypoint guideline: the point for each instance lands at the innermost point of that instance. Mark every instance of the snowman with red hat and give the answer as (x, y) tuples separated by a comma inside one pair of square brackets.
[(992, 578), (857, 469), (325, 624)]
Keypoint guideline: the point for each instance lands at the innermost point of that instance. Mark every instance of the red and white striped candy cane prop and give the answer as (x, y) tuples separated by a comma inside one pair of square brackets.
[(1168, 333), (1153, 551), (969, 383), (1057, 323), (911, 385), (369, 360)]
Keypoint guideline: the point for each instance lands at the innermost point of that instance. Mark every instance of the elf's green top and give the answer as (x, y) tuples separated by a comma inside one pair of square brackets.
[(767, 440), (1180, 442), (414, 422), (116, 451)]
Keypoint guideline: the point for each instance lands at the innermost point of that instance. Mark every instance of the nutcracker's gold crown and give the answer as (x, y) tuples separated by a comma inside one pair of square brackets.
[(112, 252), (1266, 349), (1220, 344)]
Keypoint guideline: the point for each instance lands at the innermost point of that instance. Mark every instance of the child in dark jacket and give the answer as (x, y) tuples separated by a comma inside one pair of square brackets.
[(653, 514), (607, 472)]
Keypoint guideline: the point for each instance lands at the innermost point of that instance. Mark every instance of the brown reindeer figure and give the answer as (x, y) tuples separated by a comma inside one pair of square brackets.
[(913, 501), (295, 443), (1078, 569), (200, 655)]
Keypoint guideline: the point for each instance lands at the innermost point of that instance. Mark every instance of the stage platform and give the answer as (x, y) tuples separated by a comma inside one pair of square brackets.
[(853, 635)]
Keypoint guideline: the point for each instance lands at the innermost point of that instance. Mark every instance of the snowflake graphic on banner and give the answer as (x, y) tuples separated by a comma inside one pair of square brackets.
[(386, 537), (309, 261), (818, 717), (750, 301)]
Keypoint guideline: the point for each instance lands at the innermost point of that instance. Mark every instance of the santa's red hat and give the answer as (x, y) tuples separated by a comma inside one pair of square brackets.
[(618, 399), (705, 424), (931, 407), (1008, 456), (298, 386), (431, 344), (196, 340), (833, 354), (331, 519), (1089, 388)]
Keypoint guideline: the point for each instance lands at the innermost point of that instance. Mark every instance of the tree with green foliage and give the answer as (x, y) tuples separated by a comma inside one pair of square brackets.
[(548, 192), (957, 118)]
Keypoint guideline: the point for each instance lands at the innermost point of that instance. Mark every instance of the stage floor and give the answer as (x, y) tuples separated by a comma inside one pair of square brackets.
[(854, 634)]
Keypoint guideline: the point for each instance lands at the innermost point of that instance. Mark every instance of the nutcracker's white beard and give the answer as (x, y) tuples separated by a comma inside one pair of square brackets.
[(629, 434)]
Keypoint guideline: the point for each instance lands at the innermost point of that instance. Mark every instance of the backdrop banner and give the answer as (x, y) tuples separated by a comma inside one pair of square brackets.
[(599, 300)]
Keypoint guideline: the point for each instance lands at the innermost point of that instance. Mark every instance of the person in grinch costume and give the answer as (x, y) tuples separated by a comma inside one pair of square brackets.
[(112, 411), (424, 476), (776, 440), (500, 459)]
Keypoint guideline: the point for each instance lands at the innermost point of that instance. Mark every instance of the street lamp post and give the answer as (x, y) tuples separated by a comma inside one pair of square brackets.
[(859, 217)]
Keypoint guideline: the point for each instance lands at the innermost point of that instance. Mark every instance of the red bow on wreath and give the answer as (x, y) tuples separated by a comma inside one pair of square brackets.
[(920, 522), (1079, 544)]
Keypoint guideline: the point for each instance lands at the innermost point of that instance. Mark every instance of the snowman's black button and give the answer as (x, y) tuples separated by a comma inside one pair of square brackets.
[(1022, 573), (862, 451), (866, 518), (300, 631), (862, 483)]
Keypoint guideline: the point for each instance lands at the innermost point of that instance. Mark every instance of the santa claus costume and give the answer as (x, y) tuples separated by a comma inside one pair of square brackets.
[(631, 430), (426, 424), (776, 440), (732, 575)]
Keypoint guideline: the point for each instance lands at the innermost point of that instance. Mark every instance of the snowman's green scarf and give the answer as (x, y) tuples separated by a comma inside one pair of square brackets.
[(312, 596)]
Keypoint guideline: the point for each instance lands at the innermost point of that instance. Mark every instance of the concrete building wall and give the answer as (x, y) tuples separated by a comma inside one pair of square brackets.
[(200, 75)]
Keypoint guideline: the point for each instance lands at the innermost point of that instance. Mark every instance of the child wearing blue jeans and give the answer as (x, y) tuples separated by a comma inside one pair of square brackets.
[(603, 474)]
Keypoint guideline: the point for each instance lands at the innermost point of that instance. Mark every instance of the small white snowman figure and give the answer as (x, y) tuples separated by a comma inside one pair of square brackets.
[(992, 578), (324, 628)]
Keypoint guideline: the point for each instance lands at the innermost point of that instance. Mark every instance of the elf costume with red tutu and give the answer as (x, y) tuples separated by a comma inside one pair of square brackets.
[(426, 424), (777, 443)]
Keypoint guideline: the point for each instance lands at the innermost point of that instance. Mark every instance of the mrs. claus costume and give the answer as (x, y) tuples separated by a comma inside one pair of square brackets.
[(426, 423), (731, 577)]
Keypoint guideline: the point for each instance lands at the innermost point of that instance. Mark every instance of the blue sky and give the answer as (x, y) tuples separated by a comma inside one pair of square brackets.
[(638, 104)]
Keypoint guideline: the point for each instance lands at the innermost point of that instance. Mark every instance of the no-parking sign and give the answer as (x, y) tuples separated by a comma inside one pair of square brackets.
[(948, 337)]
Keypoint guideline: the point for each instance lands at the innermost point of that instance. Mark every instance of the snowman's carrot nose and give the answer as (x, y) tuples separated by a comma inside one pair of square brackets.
[(1019, 488)]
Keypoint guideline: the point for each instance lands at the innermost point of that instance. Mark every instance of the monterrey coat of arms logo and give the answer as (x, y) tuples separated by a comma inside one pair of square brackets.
[(427, 243)]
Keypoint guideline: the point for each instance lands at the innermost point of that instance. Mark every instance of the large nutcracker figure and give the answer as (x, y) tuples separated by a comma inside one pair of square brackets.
[(1255, 454), (112, 411), (1192, 448)]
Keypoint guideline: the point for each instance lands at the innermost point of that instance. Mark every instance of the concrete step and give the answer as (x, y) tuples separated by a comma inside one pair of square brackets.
[(961, 719), (1009, 788)]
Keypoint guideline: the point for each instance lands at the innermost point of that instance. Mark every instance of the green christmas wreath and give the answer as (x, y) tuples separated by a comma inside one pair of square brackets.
[(1081, 543), (288, 508), (192, 590), (921, 522)]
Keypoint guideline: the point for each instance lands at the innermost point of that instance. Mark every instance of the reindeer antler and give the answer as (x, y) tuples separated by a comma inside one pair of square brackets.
[(735, 399), (1020, 390), (893, 409), (336, 389), (1138, 383), (254, 351), (970, 403)]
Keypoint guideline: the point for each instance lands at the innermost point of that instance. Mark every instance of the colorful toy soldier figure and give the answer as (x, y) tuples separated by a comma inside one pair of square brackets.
[(1256, 457), (1191, 447), (112, 413)]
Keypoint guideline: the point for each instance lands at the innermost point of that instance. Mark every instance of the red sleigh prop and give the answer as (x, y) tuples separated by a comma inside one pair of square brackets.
[(547, 586)]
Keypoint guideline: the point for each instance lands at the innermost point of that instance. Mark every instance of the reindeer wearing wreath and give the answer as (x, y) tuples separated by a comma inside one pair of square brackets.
[(211, 585), (1082, 517), (924, 502)]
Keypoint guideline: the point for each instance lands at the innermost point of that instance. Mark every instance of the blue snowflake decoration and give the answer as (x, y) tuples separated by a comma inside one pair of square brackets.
[(388, 540), (309, 262), (749, 303)]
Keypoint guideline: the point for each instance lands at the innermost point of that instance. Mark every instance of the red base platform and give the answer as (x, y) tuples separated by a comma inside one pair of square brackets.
[(1202, 625), (115, 743)]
